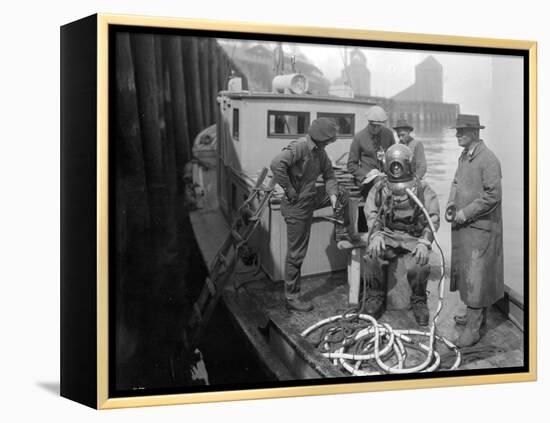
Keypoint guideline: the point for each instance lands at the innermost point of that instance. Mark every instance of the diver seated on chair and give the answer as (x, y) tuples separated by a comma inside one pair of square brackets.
[(400, 239)]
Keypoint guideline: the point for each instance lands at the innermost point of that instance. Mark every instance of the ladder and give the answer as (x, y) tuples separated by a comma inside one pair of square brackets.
[(246, 220)]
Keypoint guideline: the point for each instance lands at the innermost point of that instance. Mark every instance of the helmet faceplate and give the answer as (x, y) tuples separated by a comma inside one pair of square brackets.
[(398, 163)]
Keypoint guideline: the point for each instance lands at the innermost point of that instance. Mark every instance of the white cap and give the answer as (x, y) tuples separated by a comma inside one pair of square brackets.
[(376, 114)]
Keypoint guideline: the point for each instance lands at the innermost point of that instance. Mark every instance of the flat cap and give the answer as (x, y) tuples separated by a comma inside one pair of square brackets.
[(376, 114), (322, 130)]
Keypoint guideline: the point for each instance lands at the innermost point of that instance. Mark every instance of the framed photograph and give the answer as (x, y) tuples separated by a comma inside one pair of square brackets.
[(254, 211)]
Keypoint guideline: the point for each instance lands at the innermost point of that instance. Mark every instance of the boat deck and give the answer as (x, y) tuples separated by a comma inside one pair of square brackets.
[(257, 305)]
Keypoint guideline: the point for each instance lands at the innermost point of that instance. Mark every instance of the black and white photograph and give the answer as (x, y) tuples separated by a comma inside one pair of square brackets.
[(286, 212), (279, 212)]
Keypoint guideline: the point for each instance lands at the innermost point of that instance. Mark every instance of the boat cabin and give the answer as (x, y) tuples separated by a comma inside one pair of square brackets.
[(255, 128)]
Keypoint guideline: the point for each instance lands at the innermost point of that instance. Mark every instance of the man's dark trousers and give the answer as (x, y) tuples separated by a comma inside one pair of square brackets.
[(298, 218)]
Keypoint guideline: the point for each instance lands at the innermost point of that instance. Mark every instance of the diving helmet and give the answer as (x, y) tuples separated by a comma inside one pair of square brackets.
[(398, 163)]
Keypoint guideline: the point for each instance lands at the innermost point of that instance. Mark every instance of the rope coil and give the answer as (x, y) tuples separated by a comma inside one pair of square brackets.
[(358, 342)]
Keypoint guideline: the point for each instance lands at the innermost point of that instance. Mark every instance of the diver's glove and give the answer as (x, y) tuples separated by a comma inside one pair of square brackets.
[(421, 253), (376, 246)]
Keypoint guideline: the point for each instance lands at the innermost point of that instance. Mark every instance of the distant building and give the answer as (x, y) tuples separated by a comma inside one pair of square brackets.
[(428, 84), (422, 104), (356, 75)]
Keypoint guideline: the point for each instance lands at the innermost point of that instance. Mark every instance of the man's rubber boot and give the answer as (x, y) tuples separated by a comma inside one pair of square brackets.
[(460, 319), (470, 336), (296, 304), (420, 311)]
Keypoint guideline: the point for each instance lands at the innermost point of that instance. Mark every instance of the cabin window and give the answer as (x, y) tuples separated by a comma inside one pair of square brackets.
[(286, 124), (344, 122), (236, 124)]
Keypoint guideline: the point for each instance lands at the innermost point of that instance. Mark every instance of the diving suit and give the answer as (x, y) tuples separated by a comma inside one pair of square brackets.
[(400, 238)]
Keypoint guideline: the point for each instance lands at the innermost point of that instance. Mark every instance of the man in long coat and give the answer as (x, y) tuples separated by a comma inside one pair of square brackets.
[(474, 207)]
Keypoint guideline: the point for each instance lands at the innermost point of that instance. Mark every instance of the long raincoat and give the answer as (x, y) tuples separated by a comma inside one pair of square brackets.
[(476, 262)]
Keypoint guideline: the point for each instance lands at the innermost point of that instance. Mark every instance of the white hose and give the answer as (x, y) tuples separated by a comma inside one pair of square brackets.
[(396, 339)]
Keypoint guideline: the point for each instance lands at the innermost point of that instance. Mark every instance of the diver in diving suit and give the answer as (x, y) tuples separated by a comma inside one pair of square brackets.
[(400, 238)]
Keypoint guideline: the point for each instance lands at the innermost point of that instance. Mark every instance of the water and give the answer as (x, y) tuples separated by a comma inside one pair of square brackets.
[(442, 152)]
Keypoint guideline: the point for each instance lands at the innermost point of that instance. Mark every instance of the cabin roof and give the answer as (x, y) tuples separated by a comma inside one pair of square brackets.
[(247, 95)]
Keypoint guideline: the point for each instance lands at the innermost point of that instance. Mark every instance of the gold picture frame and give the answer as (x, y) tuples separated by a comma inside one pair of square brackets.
[(92, 214)]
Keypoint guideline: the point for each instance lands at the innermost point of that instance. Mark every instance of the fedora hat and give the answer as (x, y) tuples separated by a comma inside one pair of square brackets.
[(467, 121), (402, 123)]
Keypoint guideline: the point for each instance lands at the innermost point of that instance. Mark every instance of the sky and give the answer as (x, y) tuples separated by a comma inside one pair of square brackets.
[(467, 78)]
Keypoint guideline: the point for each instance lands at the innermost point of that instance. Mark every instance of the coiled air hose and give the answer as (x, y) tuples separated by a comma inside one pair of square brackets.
[(360, 344)]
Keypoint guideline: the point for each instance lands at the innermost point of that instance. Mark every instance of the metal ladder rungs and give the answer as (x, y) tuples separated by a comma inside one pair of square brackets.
[(230, 248), (198, 312), (236, 236), (211, 286)]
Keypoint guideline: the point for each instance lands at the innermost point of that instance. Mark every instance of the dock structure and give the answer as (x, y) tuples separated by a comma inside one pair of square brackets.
[(425, 116), (421, 104)]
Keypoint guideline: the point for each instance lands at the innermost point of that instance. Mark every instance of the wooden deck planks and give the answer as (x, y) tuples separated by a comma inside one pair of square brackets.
[(501, 344)]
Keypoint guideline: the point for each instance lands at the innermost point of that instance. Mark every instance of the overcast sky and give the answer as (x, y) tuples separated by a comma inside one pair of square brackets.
[(467, 78)]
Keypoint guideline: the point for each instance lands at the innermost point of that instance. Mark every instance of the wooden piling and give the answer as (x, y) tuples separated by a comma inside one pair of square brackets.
[(146, 89), (193, 66), (178, 92), (204, 75), (213, 81), (131, 193)]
